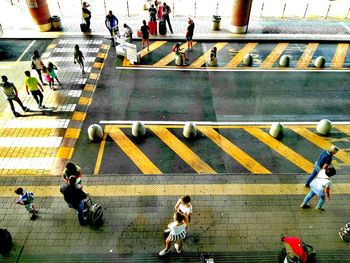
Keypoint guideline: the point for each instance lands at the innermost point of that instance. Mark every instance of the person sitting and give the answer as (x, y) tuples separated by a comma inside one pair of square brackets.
[(178, 51), (213, 59)]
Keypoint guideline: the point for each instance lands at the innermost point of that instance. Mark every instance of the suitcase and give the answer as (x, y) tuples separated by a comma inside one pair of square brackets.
[(94, 213), (84, 28), (5, 242), (152, 27), (162, 27)]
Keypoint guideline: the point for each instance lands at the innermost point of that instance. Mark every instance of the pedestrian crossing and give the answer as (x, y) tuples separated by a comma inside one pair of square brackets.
[(39, 140), (230, 55), (236, 149)]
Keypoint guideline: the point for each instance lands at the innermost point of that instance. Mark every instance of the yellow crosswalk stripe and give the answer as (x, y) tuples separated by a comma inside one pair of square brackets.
[(274, 55), (7, 191), (133, 152), (343, 129), (322, 142), (101, 151), (27, 152), (306, 57), (31, 132), (339, 56), (236, 60), (144, 51), (171, 56), (182, 150), (202, 59), (280, 148), (235, 152)]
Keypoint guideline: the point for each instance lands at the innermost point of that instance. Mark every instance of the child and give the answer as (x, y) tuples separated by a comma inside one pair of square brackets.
[(79, 57), (178, 51), (48, 78), (184, 206), (51, 70), (27, 199)]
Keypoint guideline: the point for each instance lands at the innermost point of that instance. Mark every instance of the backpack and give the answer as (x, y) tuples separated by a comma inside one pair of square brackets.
[(5, 242)]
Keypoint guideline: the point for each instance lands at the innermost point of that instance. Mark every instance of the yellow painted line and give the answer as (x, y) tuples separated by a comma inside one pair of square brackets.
[(280, 148), (235, 152), (274, 55), (27, 152), (343, 129), (339, 56), (108, 190), (100, 153), (132, 151), (97, 65), (204, 58), (170, 57), (89, 88), (237, 59), (31, 132), (144, 51), (84, 101), (105, 46), (24, 172), (182, 150), (101, 55), (306, 57), (65, 152), (78, 116), (93, 76), (322, 142), (51, 46), (72, 133)]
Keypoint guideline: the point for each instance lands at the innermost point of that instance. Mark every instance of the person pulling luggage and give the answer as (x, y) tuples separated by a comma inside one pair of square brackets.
[(111, 23)]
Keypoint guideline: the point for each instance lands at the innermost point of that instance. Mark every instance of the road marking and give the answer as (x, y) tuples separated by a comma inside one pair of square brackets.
[(182, 150), (26, 163), (203, 59), (132, 151), (280, 148), (339, 56), (72, 133), (43, 142), (20, 123), (321, 142), (170, 57), (144, 51), (100, 152), (7, 191), (306, 57), (237, 59), (31, 132), (274, 55), (236, 153), (27, 152), (24, 52)]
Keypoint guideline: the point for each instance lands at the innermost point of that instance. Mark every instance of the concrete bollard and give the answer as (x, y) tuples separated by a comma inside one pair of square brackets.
[(248, 60), (284, 61), (324, 127), (320, 62), (138, 129), (190, 130), (95, 133), (178, 60), (276, 130), (212, 63)]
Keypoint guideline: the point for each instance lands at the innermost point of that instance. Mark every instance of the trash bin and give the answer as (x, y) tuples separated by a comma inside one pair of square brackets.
[(216, 22), (56, 23)]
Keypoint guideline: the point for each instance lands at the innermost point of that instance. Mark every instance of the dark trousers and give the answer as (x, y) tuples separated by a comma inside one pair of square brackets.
[(38, 96), (167, 19), (87, 20), (80, 210), (39, 74), (13, 106)]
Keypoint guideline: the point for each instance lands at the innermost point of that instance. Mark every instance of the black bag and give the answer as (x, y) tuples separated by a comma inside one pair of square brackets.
[(5, 242), (162, 27), (84, 28), (95, 214)]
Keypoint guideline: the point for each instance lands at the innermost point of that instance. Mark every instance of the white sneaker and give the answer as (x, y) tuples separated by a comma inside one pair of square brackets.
[(177, 248), (163, 252)]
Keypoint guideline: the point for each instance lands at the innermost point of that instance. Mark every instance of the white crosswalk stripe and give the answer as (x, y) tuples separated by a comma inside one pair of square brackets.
[(30, 141)]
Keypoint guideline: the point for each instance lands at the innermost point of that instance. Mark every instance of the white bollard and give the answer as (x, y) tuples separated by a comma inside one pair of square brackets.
[(178, 60), (138, 129), (320, 62), (95, 133), (276, 129), (284, 61), (324, 127), (248, 60), (190, 130)]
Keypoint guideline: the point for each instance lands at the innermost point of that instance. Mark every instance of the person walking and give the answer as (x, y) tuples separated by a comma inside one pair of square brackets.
[(74, 197), (111, 23), (320, 186), (86, 14), (51, 69), (11, 94), (72, 170), (323, 161), (177, 233), (27, 199), (189, 33), (47, 77), (145, 34), (183, 206), (166, 11), (38, 64), (35, 89), (79, 57)]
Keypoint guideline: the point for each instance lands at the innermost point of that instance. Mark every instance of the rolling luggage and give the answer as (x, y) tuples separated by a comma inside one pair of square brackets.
[(162, 27), (94, 213), (84, 28), (5, 242), (152, 27)]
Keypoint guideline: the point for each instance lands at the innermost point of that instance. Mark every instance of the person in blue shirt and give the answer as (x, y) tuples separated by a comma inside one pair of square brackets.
[(323, 161), (111, 23), (26, 198)]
